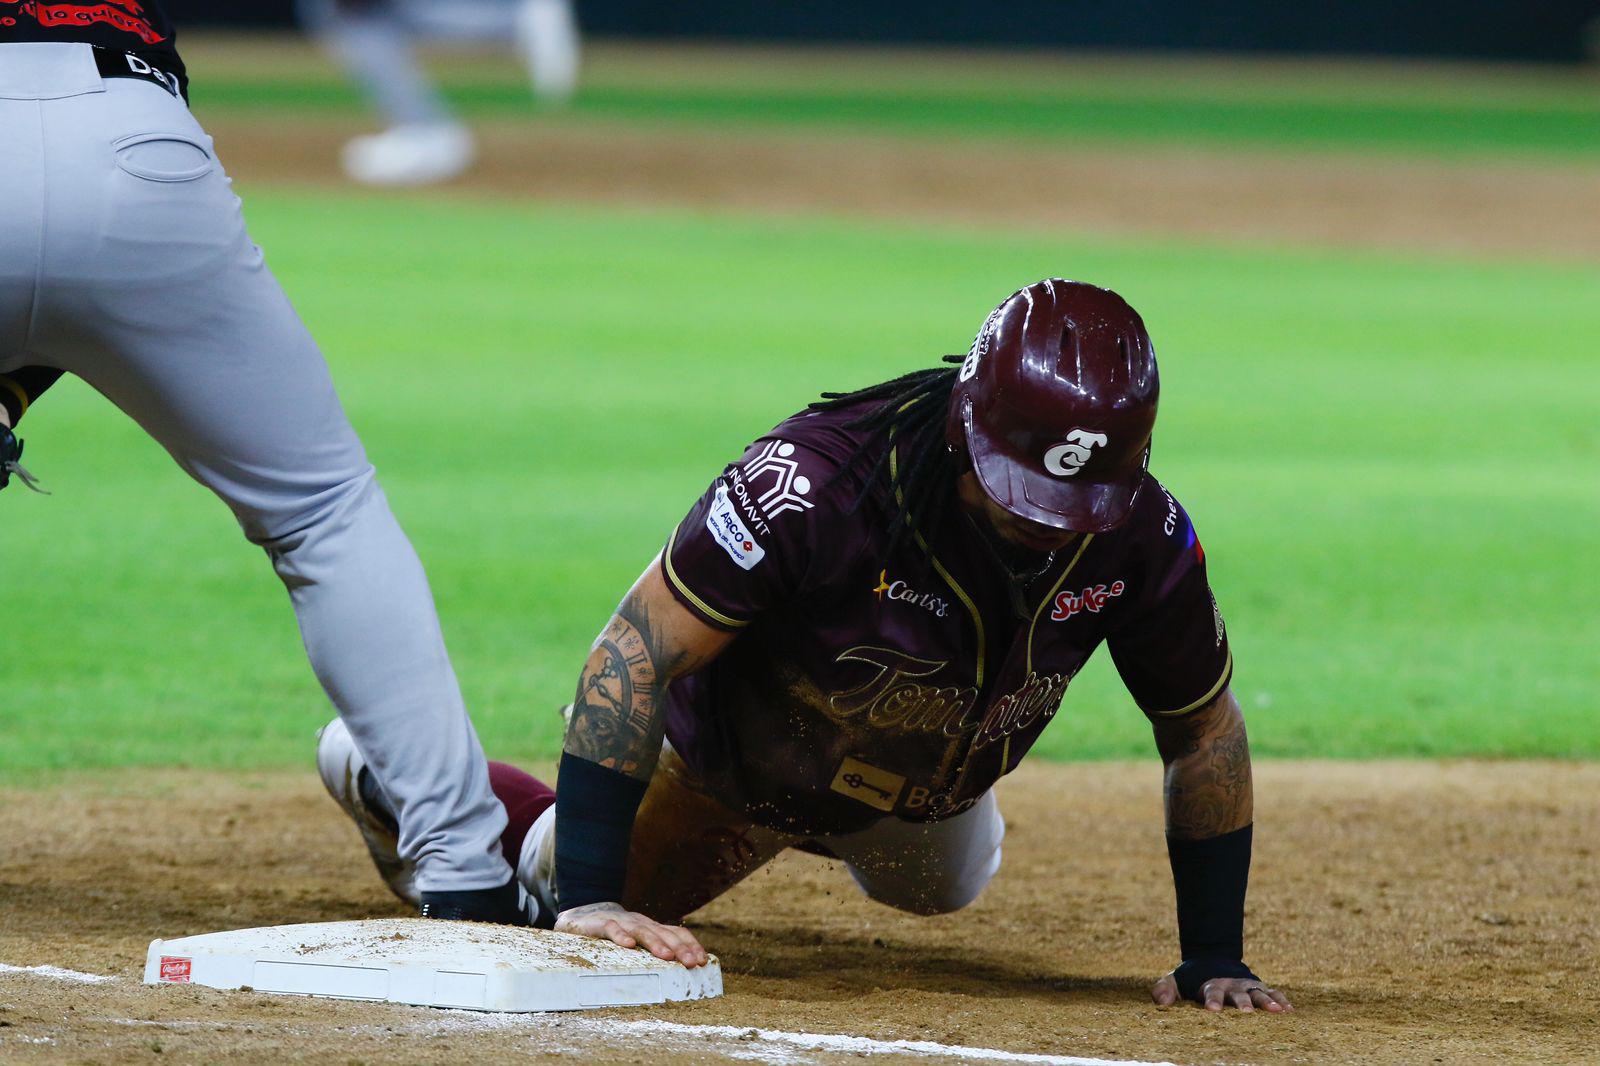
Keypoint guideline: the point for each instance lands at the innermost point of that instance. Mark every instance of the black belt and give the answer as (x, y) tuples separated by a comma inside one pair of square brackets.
[(114, 64)]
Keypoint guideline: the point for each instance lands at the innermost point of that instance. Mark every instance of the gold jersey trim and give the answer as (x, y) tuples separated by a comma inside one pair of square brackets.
[(689, 593), (1216, 690), (961, 593), (1051, 595)]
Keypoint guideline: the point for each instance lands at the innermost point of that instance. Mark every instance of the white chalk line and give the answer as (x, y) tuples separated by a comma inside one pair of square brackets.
[(838, 1042), (748, 1039), (767, 1045), (855, 1045), (56, 973)]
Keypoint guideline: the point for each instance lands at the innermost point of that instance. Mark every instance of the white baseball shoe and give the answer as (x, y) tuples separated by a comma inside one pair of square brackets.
[(410, 155), (547, 40), (342, 770)]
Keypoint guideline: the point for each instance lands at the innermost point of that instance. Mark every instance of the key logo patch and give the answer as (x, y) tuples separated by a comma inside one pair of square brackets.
[(872, 786)]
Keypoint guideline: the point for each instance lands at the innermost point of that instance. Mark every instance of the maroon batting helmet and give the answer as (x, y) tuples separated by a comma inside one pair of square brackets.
[(1055, 404)]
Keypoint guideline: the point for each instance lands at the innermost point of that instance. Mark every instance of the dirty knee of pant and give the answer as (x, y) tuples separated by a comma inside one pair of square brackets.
[(928, 888), (926, 906)]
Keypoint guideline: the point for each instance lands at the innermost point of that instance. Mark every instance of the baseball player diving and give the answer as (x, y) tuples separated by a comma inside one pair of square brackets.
[(863, 624), (124, 260)]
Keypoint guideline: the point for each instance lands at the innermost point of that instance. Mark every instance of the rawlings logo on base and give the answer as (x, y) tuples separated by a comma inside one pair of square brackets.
[(176, 970)]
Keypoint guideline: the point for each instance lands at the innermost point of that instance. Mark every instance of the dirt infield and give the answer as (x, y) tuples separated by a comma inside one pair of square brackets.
[(1415, 912), (1522, 206), (1527, 207), (1543, 210)]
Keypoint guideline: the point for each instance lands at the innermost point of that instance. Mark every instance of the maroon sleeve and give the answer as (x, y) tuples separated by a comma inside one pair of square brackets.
[(774, 526), (1172, 648)]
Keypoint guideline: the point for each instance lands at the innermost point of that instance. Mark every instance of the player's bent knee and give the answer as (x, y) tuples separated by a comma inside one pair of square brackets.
[(952, 891), (288, 521), (929, 908)]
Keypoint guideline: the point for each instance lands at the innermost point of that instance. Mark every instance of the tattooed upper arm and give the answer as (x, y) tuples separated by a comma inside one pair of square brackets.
[(650, 640), (1208, 781)]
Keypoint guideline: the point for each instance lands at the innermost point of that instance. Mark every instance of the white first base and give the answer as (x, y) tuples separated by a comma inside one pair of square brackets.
[(430, 963)]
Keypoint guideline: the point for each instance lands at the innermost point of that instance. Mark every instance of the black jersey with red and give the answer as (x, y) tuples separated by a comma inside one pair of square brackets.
[(863, 686), (136, 26)]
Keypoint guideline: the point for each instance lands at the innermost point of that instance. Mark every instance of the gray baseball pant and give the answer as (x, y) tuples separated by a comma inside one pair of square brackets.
[(124, 260)]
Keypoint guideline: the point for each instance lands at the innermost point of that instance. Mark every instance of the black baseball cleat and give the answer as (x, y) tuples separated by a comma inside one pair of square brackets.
[(502, 905)]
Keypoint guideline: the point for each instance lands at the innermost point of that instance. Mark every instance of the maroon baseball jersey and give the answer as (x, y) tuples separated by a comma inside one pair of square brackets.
[(862, 686)]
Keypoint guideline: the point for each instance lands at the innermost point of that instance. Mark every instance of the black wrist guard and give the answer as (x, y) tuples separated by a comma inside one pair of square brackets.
[(1193, 974), (11, 462), (1210, 877), (595, 808), (10, 452)]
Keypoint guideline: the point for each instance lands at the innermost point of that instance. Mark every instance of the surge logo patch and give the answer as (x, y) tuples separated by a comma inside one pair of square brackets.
[(725, 525), (1091, 599)]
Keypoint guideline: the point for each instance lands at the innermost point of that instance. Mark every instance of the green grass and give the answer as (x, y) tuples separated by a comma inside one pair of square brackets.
[(1430, 128), (1276, 112), (1425, 127), (1391, 464), (1066, 100)]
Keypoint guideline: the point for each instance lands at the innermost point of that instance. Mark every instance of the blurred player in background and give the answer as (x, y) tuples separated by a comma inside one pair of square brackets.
[(425, 141)]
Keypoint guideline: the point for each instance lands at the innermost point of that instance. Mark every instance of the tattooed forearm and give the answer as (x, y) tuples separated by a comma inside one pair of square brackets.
[(1208, 785), (616, 719)]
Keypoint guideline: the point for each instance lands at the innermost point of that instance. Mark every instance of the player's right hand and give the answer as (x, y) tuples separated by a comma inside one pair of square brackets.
[(630, 929)]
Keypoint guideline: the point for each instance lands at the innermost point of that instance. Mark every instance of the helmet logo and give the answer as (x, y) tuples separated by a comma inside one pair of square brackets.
[(1066, 459), (980, 346)]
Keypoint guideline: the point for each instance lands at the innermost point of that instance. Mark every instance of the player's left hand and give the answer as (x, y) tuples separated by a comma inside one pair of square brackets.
[(10, 456), (630, 929), (10, 452), (1243, 993)]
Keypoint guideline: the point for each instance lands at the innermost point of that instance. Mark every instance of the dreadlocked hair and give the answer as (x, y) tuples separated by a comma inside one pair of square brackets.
[(908, 420)]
